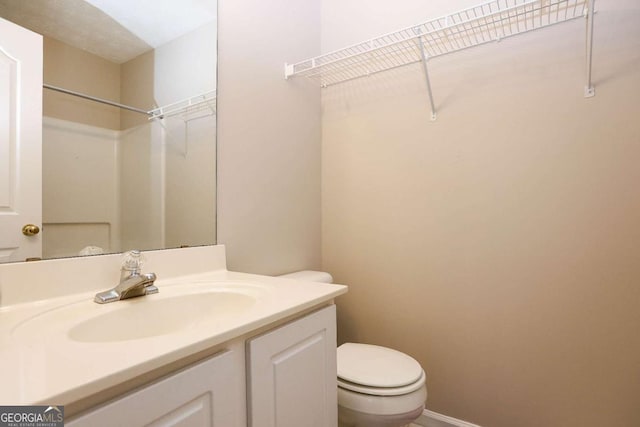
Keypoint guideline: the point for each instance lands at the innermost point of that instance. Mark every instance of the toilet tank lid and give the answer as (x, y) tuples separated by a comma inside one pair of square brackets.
[(310, 276), (375, 366)]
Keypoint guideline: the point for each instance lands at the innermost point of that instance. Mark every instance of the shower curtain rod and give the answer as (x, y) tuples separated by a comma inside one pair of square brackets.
[(93, 98)]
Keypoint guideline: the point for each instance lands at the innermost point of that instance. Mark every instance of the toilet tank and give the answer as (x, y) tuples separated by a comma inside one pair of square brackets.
[(309, 276)]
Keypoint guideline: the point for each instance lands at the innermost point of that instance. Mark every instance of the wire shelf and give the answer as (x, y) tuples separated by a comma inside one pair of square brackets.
[(188, 109), (487, 22)]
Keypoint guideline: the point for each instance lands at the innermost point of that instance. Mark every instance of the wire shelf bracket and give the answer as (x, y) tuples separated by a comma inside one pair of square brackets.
[(589, 90), (487, 22)]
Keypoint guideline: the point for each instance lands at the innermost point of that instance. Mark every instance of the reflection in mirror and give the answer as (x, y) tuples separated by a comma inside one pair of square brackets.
[(115, 179)]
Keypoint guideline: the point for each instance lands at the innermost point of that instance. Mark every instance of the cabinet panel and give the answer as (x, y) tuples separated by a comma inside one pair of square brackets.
[(292, 374), (209, 393)]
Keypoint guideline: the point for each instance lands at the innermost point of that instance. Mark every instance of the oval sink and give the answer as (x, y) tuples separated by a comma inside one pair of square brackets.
[(145, 317), (175, 309)]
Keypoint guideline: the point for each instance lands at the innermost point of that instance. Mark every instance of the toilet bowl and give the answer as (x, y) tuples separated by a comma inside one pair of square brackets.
[(377, 386)]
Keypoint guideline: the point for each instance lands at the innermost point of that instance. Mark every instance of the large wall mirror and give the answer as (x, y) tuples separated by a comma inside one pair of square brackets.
[(114, 178)]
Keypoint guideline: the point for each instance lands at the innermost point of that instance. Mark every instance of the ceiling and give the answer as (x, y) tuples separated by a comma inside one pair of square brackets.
[(117, 30)]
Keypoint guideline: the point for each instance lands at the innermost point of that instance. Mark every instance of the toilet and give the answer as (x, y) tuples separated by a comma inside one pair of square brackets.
[(377, 386)]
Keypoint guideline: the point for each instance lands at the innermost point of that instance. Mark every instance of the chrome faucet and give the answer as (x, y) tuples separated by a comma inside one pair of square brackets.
[(132, 282)]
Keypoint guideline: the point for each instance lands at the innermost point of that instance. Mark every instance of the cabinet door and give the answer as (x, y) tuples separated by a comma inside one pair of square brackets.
[(292, 374), (205, 394)]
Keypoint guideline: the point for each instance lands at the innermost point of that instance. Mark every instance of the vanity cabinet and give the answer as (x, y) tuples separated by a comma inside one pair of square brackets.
[(203, 395), (292, 374), (284, 377)]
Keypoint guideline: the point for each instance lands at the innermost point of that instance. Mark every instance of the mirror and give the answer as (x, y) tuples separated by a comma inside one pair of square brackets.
[(115, 179)]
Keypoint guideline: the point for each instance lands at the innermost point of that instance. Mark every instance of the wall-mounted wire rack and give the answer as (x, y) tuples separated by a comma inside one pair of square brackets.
[(188, 109), (484, 23)]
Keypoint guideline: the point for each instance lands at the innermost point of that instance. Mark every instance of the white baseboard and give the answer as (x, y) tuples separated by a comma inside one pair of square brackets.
[(433, 419)]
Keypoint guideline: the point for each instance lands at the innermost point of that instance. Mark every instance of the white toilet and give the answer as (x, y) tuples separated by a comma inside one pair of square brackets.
[(377, 386)]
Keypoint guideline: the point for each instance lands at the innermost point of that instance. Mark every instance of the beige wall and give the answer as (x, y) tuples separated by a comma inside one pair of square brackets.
[(136, 89), (74, 69), (268, 136), (499, 244)]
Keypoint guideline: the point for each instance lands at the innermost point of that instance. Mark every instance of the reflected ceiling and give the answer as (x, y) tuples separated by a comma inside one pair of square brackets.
[(117, 30)]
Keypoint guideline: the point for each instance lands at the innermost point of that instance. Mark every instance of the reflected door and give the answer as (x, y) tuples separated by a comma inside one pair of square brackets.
[(20, 143)]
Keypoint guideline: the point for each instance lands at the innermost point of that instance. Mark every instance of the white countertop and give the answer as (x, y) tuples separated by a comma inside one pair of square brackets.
[(43, 365)]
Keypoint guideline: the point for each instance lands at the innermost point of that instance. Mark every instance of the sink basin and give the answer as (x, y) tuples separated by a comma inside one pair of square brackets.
[(145, 318), (174, 309)]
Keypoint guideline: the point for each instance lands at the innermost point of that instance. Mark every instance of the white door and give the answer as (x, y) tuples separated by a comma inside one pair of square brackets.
[(20, 142)]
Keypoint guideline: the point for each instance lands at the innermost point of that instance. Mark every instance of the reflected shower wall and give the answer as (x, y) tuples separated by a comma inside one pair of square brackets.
[(79, 188)]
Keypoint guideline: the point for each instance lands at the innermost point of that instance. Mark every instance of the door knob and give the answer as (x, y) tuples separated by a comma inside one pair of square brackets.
[(30, 230)]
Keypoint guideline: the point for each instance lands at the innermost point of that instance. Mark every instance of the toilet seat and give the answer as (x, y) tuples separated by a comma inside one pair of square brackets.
[(377, 371), (383, 391)]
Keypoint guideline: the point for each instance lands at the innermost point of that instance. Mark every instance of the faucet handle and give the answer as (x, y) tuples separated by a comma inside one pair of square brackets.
[(132, 261)]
